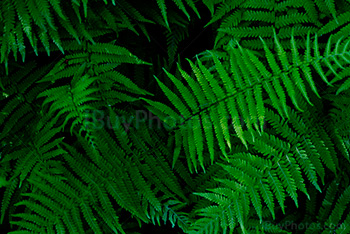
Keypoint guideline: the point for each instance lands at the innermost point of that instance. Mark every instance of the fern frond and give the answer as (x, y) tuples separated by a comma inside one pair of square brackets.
[(240, 19), (254, 73), (264, 113)]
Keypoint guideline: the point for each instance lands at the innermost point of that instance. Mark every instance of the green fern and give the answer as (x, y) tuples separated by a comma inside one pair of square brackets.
[(94, 139), (250, 77)]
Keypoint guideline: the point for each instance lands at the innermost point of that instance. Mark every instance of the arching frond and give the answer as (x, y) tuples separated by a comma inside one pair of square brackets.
[(237, 93)]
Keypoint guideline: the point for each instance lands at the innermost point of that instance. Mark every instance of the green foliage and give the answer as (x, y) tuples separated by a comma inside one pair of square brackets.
[(100, 132)]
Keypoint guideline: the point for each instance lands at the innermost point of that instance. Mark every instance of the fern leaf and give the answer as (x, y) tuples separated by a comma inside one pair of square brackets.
[(307, 166), (340, 207), (288, 180), (88, 215), (222, 112), (345, 86), (175, 99), (163, 9), (277, 188)]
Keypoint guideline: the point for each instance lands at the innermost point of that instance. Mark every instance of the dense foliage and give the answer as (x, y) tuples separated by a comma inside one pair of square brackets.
[(183, 116)]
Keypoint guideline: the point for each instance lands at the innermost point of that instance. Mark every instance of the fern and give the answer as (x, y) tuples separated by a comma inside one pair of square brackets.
[(100, 133), (249, 77), (258, 177)]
